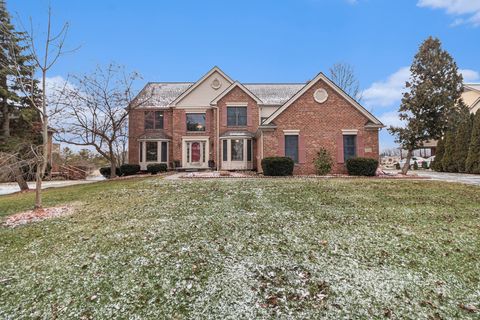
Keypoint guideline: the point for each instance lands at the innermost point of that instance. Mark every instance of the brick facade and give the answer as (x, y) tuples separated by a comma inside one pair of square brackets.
[(318, 125)]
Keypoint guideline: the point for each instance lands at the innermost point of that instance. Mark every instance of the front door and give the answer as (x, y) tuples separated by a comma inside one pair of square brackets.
[(196, 154)]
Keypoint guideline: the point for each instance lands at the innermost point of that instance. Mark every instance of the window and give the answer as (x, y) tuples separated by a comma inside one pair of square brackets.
[(151, 148), (225, 150), (236, 116), (153, 120), (249, 150), (164, 152), (349, 147), (291, 147), (236, 150), (141, 151), (196, 121)]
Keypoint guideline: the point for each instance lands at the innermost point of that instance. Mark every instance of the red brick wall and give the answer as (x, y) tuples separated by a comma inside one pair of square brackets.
[(320, 125), (180, 130), (136, 127), (238, 95)]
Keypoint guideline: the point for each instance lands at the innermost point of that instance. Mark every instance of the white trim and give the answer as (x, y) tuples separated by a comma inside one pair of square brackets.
[(185, 162), (244, 164), (230, 88), (154, 139), (319, 77), (196, 84), (291, 132), (195, 109), (350, 132), (237, 104), (143, 164)]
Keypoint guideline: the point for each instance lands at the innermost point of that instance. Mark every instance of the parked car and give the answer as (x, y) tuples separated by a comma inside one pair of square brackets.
[(419, 161)]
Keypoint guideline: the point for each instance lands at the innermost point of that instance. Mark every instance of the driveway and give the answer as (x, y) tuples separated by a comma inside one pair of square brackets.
[(450, 177), (12, 187)]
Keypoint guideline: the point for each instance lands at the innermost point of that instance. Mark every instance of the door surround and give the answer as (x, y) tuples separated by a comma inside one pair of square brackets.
[(204, 152)]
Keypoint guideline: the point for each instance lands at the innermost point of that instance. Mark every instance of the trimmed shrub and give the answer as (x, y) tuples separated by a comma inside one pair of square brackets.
[(277, 166), (397, 166), (424, 165), (362, 166), (155, 168), (415, 165), (323, 162), (129, 169), (106, 172)]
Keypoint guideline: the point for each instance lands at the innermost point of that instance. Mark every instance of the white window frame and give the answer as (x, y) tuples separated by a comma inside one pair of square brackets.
[(236, 164), (143, 149)]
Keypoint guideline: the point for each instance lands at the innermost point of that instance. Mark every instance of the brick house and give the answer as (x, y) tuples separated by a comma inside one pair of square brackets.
[(218, 122)]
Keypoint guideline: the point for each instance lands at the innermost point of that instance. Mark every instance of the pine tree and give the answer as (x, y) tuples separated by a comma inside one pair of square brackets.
[(435, 89), (462, 141), (11, 47), (448, 161), (473, 160), (437, 163)]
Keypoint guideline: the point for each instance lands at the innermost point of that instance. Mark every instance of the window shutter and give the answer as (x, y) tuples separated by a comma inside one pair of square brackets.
[(224, 116), (340, 149), (249, 117), (360, 145), (281, 146), (301, 149)]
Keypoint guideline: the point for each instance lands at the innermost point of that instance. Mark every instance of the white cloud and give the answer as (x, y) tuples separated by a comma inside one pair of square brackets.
[(391, 118), (467, 10), (385, 93), (389, 92), (469, 75)]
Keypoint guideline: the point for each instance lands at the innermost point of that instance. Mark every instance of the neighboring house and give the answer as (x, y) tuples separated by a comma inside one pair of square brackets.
[(218, 121), (471, 97)]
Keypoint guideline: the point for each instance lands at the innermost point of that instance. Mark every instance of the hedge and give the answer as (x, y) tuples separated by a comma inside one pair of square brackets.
[(129, 169), (155, 168), (106, 172), (362, 166), (277, 166)]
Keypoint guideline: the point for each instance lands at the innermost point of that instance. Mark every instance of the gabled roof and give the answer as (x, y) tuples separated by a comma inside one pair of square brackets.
[(472, 86), (319, 77), (274, 93), (161, 94), (196, 84), (230, 88)]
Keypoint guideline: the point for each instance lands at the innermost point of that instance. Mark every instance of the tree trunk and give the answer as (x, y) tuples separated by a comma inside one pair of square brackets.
[(19, 178), (406, 166), (42, 164), (6, 120), (113, 167)]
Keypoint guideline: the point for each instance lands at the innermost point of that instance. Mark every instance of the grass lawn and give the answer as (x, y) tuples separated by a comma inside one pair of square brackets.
[(285, 248)]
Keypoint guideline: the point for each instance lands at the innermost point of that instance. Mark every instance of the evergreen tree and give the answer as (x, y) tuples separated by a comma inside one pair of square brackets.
[(435, 91), (462, 141), (473, 160), (12, 53), (448, 161), (438, 162)]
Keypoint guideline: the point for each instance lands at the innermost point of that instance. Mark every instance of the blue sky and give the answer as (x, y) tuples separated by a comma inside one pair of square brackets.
[(264, 41)]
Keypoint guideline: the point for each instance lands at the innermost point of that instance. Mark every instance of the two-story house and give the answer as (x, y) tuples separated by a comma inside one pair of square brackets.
[(218, 122)]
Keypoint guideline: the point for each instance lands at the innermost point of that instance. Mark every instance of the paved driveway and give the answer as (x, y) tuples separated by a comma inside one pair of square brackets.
[(450, 177)]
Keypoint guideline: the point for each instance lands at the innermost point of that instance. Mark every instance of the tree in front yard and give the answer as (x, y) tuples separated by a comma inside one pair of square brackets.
[(462, 141), (473, 160), (438, 162), (448, 162), (435, 89), (96, 109)]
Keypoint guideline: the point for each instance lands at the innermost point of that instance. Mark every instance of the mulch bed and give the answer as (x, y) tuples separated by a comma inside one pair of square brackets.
[(37, 215)]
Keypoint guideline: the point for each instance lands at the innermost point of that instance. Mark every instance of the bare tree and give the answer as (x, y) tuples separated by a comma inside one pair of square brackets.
[(96, 109), (344, 76), (45, 53)]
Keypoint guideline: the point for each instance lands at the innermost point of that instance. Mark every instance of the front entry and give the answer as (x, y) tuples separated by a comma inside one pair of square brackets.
[(195, 153)]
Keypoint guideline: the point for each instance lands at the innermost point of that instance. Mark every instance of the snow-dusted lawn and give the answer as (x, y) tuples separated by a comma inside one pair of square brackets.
[(234, 249)]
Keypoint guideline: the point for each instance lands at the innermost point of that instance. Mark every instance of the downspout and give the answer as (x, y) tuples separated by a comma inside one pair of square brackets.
[(217, 143)]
